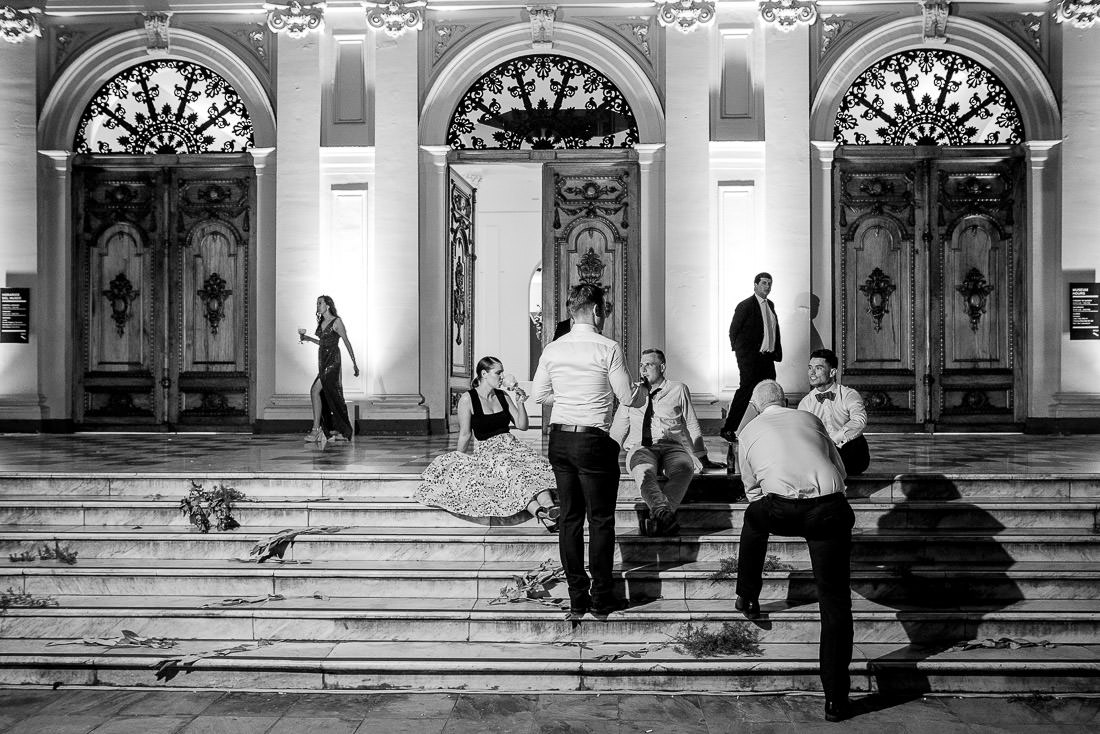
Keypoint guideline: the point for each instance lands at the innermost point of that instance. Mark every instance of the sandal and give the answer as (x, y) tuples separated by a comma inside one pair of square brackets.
[(548, 516)]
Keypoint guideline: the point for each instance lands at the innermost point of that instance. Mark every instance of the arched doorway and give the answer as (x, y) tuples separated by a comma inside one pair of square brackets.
[(562, 129), (928, 203), (163, 240)]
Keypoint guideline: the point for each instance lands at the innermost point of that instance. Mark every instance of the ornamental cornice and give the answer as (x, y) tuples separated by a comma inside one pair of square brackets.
[(685, 15), (788, 14), (296, 19), (17, 25), (396, 16), (934, 14), (1081, 13)]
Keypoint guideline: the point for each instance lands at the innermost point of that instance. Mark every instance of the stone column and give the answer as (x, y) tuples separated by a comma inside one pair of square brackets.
[(297, 231), (394, 400), (264, 288), (651, 160), (819, 300), (787, 192), (691, 335), (55, 267), (434, 328), (19, 380), (1079, 261)]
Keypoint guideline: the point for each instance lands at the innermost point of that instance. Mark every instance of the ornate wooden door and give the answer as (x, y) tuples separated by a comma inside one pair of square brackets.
[(461, 205), (591, 235), (163, 291), (929, 285)]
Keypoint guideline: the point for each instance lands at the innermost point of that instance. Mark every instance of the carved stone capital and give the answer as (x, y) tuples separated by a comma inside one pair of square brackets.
[(17, 25), (396, 16), (296, 19), (1082, 13), (156, 31), (935, 20), (542, 26), (788, 14), (686, 15)]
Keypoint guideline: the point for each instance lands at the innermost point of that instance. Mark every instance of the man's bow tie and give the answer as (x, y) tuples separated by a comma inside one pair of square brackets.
[(823, 396)]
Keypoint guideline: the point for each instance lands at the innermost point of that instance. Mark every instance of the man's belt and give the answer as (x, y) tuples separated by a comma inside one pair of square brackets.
[(570, 428)]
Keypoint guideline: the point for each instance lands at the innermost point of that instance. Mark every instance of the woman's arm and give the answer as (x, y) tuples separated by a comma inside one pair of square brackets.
[(465, 411), (338, 327), (518, 409)]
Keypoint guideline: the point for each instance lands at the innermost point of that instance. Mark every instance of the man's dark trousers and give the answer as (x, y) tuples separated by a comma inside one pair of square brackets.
[(754, 368), (826, 524), (586, 466)]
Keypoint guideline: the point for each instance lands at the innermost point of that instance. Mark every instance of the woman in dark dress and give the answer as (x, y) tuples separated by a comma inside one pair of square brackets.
[(501, 476), (330, 412)]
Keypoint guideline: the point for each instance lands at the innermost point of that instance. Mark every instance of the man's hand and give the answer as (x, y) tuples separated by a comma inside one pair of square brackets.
[(708, 464)]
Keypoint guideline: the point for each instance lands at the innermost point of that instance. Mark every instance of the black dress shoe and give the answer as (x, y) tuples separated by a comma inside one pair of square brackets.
[(836, 710), (751, 609), (604, 608), (664, 522)]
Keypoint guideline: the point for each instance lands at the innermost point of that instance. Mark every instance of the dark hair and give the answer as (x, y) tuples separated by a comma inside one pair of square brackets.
[(331, 307), (584, 295), (828, 355), (484, 365), (762, 275), (658, 352)]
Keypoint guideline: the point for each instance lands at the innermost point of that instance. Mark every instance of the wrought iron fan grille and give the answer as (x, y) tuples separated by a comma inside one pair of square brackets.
[(926, 97), (165, 106), (543, 101)]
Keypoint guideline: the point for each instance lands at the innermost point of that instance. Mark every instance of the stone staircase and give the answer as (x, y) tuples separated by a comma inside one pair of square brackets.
[(402, 596)]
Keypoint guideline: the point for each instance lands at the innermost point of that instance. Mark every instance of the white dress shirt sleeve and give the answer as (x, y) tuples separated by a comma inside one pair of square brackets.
[(620, 427), (627, 392), (852, 403), (541, 388)]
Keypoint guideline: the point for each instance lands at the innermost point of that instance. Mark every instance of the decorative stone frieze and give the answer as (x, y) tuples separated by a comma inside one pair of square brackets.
[(156, 31), (296, 19), (396, 16), (788, 14), (542, 26), (935, 20), (17, 25), (1082, 13), (638, 31), (833, 28), (444, 34), (686, 15)]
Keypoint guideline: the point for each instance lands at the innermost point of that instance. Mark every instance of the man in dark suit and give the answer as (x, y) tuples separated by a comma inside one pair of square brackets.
[(754, 338)]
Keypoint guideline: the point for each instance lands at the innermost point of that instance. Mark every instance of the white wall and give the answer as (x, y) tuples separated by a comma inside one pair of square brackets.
[(508, 248)]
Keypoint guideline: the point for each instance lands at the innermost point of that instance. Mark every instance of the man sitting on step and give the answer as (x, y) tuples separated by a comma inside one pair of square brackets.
[(840, 408), (794, 480), (661, 436)]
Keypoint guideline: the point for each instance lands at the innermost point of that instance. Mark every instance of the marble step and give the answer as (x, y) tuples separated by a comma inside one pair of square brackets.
[(529, 544), (513, 667), (713, 486), (953, 583), (304, 619), (1081, 515)]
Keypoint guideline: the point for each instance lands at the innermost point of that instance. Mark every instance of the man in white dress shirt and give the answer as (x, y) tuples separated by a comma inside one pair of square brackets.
[(840, 408), (661, 436), (794, 480), (580, 374)]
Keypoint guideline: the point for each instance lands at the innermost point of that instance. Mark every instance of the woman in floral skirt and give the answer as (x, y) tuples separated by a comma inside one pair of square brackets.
[(499, 477)]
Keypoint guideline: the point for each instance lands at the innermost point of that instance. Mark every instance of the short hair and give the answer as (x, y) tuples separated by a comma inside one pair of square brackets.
[(658, 352), (584, 295), (768, 392), (762, 275), (828, 355)]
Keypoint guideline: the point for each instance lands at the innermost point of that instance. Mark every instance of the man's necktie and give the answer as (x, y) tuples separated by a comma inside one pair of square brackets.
[(823, 396), (647, 419)]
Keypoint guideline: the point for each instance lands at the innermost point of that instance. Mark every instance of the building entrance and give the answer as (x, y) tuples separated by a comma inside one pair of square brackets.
[(927, 245), (162, 269)]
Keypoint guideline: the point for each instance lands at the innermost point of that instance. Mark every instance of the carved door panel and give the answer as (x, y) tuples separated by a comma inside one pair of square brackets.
[(591, 235), (928, 285), (209, 246), (163, 292), (461, 206), (119, 234)]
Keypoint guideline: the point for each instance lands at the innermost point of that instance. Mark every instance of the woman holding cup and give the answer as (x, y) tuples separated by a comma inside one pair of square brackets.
[(499, 477), (330, 412)]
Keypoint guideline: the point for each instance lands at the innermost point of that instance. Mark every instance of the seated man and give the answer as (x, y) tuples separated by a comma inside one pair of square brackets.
[(794, 480), (840, 409), (661, 436)]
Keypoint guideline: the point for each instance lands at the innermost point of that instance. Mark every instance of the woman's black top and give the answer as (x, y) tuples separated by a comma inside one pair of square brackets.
[(493, 424)]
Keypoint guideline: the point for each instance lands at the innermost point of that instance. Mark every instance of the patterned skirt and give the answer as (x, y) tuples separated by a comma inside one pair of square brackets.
[(499, 479)]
